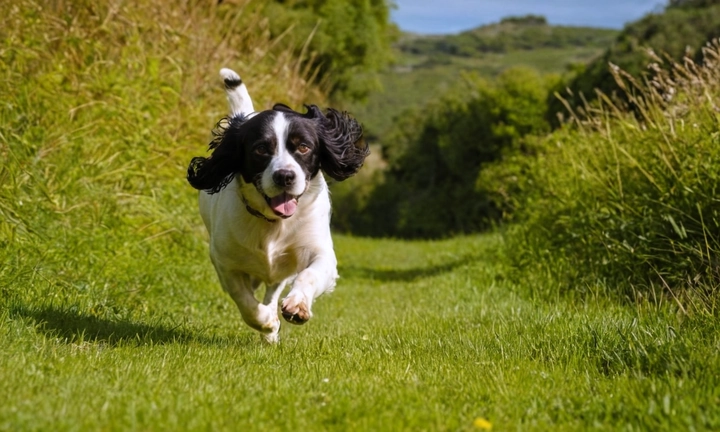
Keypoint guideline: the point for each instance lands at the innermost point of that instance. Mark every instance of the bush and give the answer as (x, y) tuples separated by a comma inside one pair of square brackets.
[(344, 42), (436, 154), (628, 201), (670, 34)]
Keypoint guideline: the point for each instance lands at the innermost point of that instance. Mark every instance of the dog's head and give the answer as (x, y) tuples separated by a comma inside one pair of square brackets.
[(277, 152)]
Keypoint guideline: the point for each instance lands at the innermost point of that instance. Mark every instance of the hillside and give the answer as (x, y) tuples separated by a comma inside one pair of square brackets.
[(681, 30), (428, 66), (510, 34)]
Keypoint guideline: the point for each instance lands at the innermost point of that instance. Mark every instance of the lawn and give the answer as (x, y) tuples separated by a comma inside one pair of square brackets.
[(417, 336), (111, 316)]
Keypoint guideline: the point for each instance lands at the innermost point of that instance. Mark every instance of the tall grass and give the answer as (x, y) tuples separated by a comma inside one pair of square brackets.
[(102, 105), (629, 200)]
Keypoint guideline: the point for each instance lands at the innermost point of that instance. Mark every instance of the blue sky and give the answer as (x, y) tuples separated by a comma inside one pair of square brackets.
[(451, 16)]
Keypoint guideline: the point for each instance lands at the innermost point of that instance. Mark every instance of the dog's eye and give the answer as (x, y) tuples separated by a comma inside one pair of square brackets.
[(302, 148), (261, 150)]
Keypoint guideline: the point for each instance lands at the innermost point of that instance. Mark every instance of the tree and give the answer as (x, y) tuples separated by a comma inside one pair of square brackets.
[(348, 39), (683, 25), (439, 151)]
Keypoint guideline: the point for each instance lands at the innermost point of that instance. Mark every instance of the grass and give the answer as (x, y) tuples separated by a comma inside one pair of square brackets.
[(111, 317), (418, 336), (626, 200)]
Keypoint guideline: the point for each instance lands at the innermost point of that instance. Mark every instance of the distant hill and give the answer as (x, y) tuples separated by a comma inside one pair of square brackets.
[(429, 65), (529, 32), (682, 29)]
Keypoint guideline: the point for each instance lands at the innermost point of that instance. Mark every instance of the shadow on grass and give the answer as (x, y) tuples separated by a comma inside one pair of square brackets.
[(72, 326), (402, 275)]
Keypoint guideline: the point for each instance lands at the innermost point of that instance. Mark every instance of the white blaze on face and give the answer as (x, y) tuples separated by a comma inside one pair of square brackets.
[(282, 200)]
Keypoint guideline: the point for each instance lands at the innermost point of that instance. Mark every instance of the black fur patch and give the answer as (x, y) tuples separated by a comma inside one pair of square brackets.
[(232, 83)]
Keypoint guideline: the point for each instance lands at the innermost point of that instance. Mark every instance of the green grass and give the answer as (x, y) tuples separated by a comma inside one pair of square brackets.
[(626, 200), (417, 336), (111, 317)]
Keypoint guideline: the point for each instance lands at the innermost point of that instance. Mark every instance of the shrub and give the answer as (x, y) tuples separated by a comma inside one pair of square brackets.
[(628, 201), (436, 153), (687, 24), (344, 42)]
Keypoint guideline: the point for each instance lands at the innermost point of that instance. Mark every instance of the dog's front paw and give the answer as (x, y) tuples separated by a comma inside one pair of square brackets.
[(271, 338), (296, 309), (270, 331), (265, 320)]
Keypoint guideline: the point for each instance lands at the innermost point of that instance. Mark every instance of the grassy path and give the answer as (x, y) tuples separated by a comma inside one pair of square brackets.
[(417, 336)]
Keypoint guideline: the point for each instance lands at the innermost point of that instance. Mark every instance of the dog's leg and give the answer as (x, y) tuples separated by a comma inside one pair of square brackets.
[(310, 283), (261, 317), (272, 294), (237, 93)]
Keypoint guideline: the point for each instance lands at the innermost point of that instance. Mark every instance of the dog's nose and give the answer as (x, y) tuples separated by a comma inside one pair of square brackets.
[(284, 177)]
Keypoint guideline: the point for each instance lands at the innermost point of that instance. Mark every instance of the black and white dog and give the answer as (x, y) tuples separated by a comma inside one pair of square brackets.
[(267, 207)]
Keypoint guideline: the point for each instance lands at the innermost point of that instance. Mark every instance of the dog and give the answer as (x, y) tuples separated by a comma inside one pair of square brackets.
[(266, 204)]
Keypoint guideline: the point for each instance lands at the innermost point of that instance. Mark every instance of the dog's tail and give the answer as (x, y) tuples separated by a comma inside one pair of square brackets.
[(237, 93)]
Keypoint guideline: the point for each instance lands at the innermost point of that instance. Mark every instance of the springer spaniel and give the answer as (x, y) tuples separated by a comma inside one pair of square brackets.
[(267, 207)]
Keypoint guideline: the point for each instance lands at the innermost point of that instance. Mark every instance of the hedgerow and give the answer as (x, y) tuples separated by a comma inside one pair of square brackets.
[(625, 200)]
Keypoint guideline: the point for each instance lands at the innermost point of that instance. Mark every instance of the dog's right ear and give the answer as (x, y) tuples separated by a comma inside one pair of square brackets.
[(213, 173)]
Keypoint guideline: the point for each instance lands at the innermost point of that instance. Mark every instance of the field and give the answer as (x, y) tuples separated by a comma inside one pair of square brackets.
[(111, 317), (416, 79), (417, 336)]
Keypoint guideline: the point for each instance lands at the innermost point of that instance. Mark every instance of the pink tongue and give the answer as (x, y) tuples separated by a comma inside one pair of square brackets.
[(283, 204)]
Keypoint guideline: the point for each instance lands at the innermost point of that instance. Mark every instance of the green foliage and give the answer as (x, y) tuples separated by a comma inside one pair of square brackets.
[(417, 80), (691, 3), (673, 34), (437, 152), (527, 20), (422, 73), (346, 41), (627, 200)]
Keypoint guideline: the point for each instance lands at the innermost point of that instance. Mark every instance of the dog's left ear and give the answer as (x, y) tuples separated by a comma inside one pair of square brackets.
[(342, 147)]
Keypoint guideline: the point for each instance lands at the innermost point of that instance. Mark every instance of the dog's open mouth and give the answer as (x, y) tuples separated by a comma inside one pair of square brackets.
[(283, 205)]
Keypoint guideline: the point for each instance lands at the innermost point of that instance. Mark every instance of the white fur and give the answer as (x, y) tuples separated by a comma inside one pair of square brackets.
[(282, 160), (238, 98), (247, 250)]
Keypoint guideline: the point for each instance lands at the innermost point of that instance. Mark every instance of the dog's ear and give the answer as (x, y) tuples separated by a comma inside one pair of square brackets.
[(342, 147), (213, 173), (283, 108)]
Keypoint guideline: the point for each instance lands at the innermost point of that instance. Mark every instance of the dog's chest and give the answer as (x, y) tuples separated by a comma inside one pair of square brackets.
[(270, 260), (280, 261)]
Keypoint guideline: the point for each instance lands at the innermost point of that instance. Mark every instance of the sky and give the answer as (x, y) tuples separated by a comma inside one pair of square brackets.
[(452, 16)]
